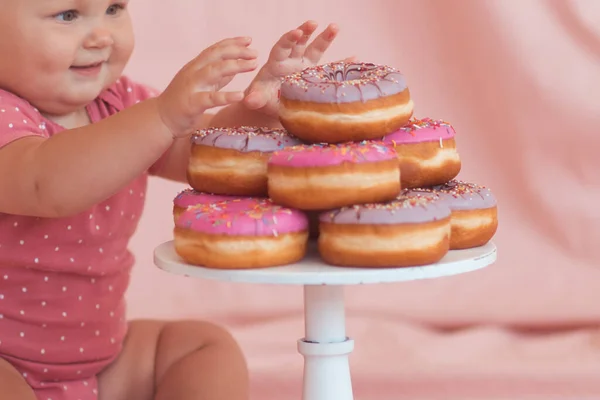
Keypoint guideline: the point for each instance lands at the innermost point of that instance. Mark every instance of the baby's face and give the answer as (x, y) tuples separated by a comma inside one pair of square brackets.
[(60, 54)]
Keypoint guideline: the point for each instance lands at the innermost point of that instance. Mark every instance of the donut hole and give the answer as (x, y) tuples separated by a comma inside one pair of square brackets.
[(348, 72)]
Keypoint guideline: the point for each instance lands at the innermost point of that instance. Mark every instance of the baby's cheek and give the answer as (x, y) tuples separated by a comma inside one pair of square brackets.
[(124, 41)]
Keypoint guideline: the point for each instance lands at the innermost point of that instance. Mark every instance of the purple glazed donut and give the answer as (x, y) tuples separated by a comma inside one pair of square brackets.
[(407, 231), (342, 102), (474, 209), (233, 161)]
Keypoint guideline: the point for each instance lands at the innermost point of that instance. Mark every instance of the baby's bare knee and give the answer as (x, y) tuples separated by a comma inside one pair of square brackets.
[(12, 384), (197, 334), (181, 339), (202, 359)]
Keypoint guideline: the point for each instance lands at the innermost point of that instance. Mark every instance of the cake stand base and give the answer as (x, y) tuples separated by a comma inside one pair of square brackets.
[(325, 346)]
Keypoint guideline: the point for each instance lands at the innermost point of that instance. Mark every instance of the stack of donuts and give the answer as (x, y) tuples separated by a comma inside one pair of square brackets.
[(351, 168)]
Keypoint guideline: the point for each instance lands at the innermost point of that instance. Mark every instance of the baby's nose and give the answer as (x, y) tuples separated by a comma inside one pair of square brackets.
[(99, 38)]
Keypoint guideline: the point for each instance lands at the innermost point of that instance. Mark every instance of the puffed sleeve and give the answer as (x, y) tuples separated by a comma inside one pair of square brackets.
[(19, 119)]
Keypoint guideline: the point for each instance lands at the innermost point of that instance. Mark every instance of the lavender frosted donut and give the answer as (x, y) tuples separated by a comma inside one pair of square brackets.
[(341, 102), (190, 197), (427, 152), (233, 161), (322, 177), (408, 231), (474, 211), (241, 234)]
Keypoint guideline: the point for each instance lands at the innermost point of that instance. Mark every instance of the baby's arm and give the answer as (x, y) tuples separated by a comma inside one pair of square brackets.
[(75, 169), (173, 165)]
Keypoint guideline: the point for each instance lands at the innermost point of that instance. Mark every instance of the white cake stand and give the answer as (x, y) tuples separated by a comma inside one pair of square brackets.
[(325, 346)]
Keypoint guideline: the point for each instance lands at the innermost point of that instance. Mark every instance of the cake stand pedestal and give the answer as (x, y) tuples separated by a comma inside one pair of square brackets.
[(325, 346)]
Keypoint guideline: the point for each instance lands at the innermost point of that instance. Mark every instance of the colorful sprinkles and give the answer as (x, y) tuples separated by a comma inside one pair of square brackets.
[(455, 188), (459, 187), (425, 129), (184, 193), (342, 74), (241, 131), (245, 138), (415, 125), (355, 149), (400, 203), (227, 213)]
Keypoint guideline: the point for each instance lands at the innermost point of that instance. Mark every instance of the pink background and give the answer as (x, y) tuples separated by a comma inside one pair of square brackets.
[(520, 83)]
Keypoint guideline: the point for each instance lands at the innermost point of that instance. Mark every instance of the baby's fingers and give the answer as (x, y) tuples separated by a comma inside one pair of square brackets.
[(229, 53), (283, 48), (204, 100), (256, 100), (317, 48), (228, 49), (237, 42), (212, 74), (240, 40), (307, 28)]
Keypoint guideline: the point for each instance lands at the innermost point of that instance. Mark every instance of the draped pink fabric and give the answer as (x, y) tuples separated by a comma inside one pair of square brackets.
[(520, 81)]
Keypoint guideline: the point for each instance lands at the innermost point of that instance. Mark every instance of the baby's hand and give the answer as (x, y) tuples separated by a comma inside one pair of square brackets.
[(289, 55), (196, 86)]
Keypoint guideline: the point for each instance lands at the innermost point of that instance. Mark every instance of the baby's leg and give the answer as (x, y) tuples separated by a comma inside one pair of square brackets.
[(12, 384), (176, 361)]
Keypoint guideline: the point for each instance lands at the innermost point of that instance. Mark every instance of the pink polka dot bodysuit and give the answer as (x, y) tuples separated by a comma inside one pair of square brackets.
[(62, 281)]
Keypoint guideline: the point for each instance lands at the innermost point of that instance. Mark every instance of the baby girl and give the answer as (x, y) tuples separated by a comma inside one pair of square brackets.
[(77, 143)]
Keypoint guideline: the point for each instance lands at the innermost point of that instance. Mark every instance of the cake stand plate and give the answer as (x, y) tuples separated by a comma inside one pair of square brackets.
[(325, 346)]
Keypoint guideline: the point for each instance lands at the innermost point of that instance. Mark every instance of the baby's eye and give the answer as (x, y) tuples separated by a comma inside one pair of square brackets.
[(67, 16), (114, 9)]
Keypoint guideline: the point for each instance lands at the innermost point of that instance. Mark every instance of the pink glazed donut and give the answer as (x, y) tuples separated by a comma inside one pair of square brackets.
[(427, 152), (325, 176), (191, 197), (233, 161), (241, 234), (343, 102), (407, 231)]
